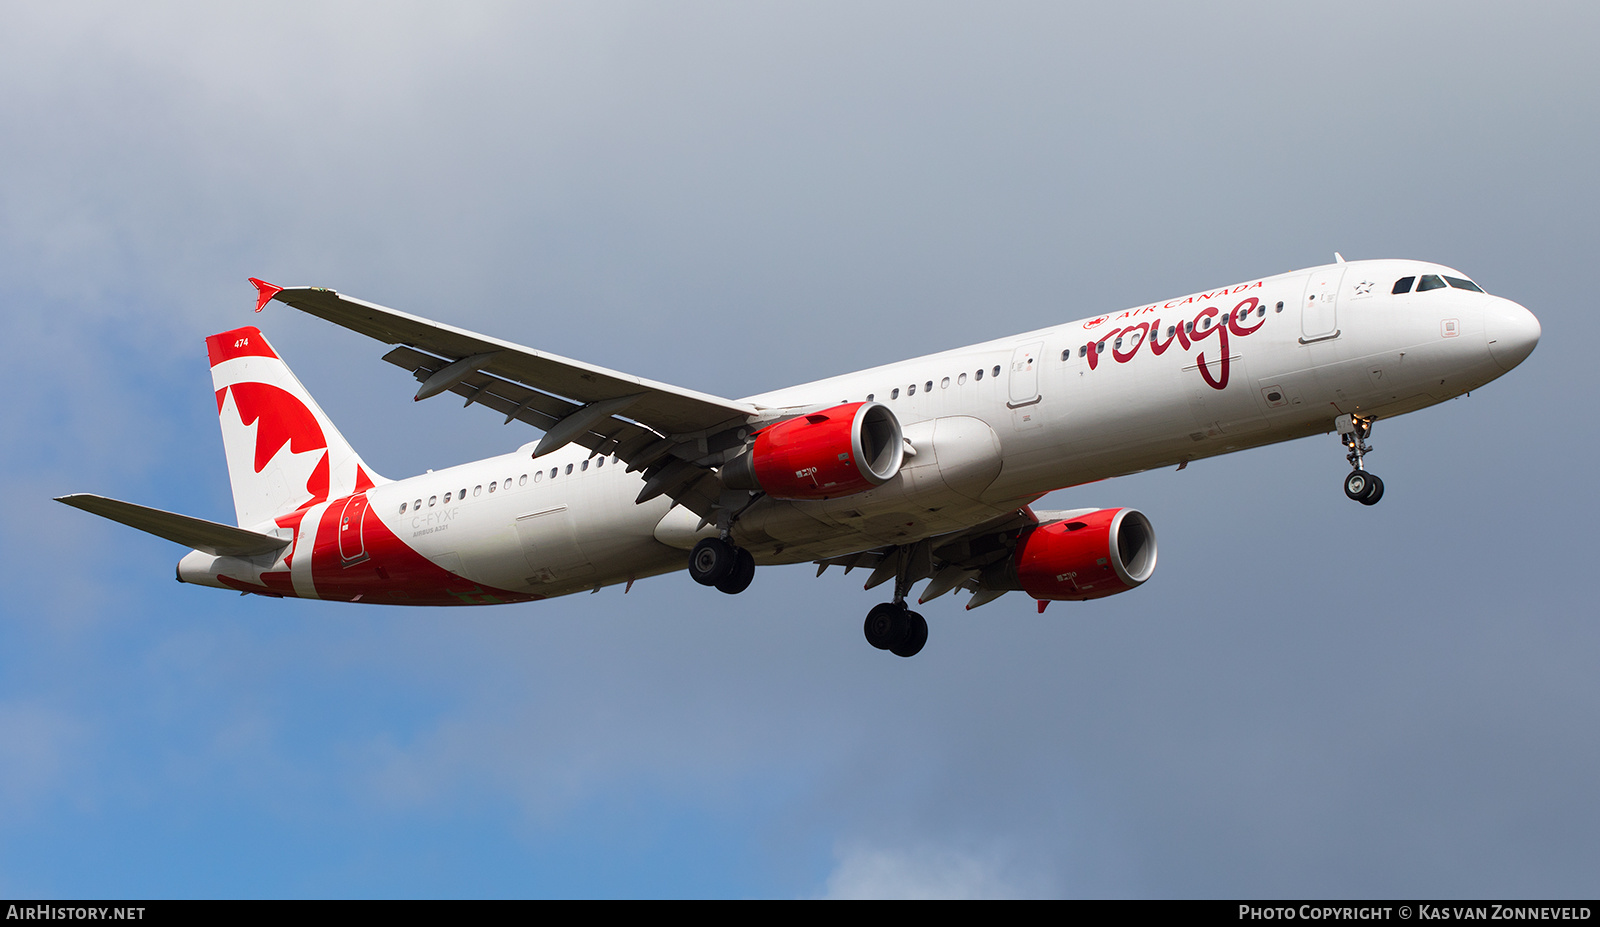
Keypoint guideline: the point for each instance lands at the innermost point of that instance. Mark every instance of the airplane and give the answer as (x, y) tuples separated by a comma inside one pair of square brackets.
[(925, 469)]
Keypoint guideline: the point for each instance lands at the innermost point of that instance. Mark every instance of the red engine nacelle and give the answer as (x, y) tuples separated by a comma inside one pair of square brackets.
[(835, 452), (1094, 555)]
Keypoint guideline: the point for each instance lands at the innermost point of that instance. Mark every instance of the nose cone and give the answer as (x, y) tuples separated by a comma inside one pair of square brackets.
[(1511, 331)]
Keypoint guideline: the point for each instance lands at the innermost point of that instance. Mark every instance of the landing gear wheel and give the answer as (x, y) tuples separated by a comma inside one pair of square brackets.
[(744, 570), (916, 636), (888, 626), (712, 561), (1374, 492), (1363, 487)]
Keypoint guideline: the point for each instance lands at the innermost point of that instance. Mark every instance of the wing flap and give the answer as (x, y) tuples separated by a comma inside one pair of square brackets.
[(641, 448), (197, 533), (957, 560)]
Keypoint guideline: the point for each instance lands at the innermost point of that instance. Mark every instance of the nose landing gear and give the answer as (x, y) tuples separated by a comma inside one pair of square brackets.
[(1361, 486)]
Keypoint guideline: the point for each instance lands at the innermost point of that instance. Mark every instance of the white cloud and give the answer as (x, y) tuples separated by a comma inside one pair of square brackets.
[(929, 872)]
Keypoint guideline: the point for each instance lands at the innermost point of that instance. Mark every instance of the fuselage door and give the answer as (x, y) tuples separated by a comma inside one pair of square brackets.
[(352, 524), (1319, 307), (1025, 375)]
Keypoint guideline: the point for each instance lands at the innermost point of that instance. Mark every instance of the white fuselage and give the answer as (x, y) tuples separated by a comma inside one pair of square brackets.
[(993, 426)]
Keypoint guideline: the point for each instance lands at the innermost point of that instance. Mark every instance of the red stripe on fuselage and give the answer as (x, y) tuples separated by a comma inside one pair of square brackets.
[(392, 573), (274, 584)]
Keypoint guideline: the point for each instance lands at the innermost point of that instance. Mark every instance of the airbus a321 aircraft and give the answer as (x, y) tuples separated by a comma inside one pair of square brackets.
[(919, 470)]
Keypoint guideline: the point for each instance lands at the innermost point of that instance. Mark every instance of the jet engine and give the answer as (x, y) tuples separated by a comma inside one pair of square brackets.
[(1087, 556), (835, 452)]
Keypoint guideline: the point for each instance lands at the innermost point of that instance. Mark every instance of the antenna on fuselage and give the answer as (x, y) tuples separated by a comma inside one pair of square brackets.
[(1338, 258)]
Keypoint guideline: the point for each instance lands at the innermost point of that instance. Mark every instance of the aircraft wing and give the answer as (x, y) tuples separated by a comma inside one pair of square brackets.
[(675, 435), (963, 559)]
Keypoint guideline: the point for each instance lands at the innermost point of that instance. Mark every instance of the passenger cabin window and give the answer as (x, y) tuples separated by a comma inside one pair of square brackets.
[(997, 370), (978, 375), (1461, 283), (1403, 285), (1429, 282)]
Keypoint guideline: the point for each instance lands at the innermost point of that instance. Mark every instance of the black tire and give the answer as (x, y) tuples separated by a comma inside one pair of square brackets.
[(744, 570), (712, 560), (887, 625), (1374, 491), (1357, 484), (916, 637)]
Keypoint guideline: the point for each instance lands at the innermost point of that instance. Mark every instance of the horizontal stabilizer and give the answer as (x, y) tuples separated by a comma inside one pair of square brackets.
[(213, 538)]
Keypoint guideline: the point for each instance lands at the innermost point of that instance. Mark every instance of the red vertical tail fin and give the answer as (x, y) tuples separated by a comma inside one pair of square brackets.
[(283, 452)]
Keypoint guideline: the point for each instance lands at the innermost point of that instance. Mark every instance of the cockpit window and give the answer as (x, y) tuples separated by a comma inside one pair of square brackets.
[(1403, 285), (1429, 282), (1461, 283)]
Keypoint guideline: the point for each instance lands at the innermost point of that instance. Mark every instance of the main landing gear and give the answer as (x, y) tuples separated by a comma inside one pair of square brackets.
[(1359, 485), (895, 628), (892, 626), (718, 562)]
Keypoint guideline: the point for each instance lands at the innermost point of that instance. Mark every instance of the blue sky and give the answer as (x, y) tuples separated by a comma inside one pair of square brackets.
[(1309, 698)]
